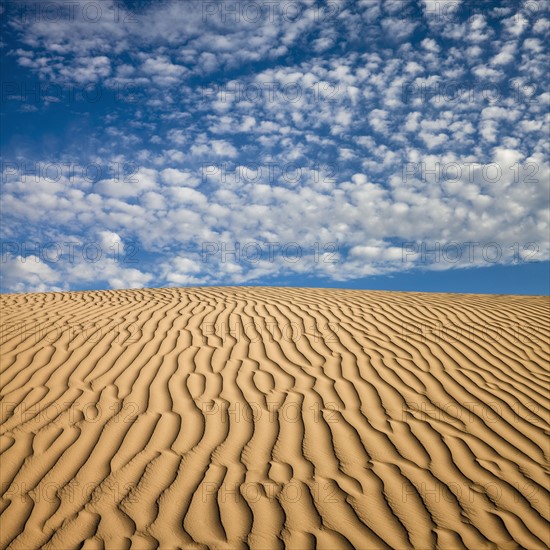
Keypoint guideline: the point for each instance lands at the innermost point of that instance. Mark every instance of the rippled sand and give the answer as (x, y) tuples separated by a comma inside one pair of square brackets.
[(274, 417)]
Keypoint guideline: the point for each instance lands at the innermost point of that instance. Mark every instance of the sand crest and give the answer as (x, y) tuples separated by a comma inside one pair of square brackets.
[(274, 417)]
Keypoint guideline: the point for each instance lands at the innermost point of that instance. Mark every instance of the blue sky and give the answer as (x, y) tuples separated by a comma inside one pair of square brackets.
[(398, 145)]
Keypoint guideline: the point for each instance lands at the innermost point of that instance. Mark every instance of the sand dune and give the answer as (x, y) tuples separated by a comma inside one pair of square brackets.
[(274, 417)]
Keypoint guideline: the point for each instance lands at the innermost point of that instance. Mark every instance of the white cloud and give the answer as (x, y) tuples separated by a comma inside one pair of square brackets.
[(110, 240), (430, 44), (29, 274), (172, 176), (223, 148), (506, 55), (128, 186), (351, 132)]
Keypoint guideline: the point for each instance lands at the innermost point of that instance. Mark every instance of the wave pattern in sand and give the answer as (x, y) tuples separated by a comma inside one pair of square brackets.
[(271, 417)]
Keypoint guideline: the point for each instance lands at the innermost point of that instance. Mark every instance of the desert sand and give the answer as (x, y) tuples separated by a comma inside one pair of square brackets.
[(274, 417)]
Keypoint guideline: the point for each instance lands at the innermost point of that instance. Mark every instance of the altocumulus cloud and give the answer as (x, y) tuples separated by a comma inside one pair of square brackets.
[(196, 143)]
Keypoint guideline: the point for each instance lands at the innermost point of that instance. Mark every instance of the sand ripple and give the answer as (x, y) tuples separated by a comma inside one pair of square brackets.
[(274, 417)]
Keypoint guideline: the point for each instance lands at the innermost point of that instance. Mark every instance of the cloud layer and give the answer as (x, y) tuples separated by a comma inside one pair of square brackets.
[(333, 140)]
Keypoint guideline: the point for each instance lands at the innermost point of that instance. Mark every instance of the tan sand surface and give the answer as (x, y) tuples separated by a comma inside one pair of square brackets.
[(274, 417)]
